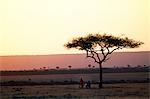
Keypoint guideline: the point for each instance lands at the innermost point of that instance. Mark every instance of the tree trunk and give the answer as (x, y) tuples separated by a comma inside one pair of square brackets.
[(100, 76)]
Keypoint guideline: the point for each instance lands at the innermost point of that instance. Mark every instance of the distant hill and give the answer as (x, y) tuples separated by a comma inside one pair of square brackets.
[(118, 59), (76, 71)]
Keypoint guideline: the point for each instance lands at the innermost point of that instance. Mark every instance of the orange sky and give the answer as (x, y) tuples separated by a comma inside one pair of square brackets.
[(33, 27)]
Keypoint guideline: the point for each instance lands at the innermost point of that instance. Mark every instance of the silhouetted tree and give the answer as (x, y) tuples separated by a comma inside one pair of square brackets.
[(105, 44), (128, 66), (93, 67), (57, 67), (44, 68), (89, 65), (69, 67)]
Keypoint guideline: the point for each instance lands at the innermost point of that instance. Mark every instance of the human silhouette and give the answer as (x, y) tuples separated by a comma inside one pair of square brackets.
[(88, 84), (81, 83)]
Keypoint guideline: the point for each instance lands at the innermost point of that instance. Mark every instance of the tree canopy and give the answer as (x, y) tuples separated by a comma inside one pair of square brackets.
[(104, 43), (93, 40)]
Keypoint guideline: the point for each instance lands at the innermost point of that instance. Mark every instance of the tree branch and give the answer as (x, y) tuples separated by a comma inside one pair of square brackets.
[(114, 49), (91, 56), (106, 59), (97, 56), (108, 49), (105, 54)]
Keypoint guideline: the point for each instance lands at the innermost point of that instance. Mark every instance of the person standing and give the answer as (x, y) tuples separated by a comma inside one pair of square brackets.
[(81, 83)]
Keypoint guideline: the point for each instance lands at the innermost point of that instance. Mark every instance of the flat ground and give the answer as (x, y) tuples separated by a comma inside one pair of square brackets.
[(110, 91)]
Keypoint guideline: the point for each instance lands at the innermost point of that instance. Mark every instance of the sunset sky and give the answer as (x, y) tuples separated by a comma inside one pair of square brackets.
[(37, 27)]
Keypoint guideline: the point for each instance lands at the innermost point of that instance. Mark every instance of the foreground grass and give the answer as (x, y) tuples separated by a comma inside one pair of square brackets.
[(110, 91)]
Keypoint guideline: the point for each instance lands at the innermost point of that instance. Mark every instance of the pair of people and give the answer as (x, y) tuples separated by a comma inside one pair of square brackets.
[(87, 84)]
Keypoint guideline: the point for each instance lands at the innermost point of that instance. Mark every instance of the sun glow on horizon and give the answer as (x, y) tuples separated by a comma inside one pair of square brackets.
[(36, 27)]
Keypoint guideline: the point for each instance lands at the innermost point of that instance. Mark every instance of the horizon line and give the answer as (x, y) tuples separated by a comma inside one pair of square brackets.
[(69, 53)]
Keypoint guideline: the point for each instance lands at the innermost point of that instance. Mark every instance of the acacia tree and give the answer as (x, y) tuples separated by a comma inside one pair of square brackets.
[(69, 66), (94, 44), (89, 65), (57, 67)]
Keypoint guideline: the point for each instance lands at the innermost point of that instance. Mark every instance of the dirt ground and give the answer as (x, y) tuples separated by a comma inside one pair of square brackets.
[(110, 91)]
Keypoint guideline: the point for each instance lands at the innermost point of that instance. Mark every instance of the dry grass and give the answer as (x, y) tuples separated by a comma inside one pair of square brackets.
[(110, 91)]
